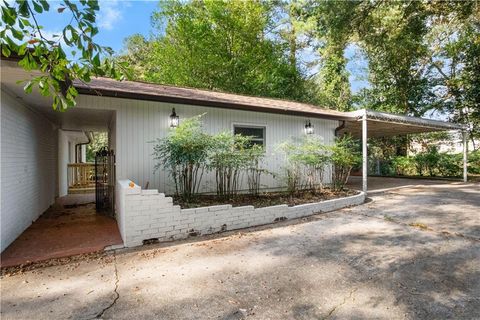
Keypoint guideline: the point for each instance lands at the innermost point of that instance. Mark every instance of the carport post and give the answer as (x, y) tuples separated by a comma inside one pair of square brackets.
[(465, 152), (364, 152)]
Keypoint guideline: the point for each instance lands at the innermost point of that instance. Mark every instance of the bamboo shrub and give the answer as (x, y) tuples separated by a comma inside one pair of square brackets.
[(344, 156), (306, 160), (230, 158), (254, 170), (183, 153)]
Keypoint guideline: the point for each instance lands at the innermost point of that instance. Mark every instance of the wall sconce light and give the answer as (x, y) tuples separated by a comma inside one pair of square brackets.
[(309, 128), (174, 119)]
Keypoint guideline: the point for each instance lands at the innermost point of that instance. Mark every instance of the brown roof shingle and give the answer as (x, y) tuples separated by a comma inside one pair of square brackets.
[(157, 92)]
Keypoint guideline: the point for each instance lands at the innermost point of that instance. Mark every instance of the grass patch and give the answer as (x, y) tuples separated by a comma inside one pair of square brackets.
[(388, 218), (419, 225)]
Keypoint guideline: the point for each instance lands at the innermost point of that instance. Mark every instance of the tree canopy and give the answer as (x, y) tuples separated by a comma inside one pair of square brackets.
[(215, 45), (420, 57)]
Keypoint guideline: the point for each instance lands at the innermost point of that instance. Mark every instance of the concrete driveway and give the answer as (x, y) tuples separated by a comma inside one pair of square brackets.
[(413, 253)]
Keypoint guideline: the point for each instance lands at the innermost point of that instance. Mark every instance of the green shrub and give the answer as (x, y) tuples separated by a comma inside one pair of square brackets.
[(231, 156), (344, 156), (254, 169), (99, 141), (434, 163), (474, 162), (184, 154), (306, 158), (404, 165), (313, 155), (427, 161), (292, 168), (449, 165)]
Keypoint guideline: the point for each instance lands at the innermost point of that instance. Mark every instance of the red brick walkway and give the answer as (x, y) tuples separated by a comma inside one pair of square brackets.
[(63, 231)]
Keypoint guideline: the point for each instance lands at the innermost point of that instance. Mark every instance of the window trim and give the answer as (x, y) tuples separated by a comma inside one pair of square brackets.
[(252, 125)]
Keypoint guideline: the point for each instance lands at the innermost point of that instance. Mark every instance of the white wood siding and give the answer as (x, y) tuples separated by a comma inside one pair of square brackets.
[(28, 167), (139, 122)]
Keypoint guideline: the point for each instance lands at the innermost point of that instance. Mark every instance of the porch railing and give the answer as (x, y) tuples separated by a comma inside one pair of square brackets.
[(81, 176)]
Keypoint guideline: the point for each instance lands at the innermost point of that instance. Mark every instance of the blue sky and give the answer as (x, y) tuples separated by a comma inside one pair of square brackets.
[(118, 19)]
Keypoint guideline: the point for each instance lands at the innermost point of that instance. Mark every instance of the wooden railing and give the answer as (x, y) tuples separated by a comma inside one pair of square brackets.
[(81, 176)]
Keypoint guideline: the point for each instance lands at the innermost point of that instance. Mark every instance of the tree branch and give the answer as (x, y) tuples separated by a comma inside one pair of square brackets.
[(440, 70), (36, 22)]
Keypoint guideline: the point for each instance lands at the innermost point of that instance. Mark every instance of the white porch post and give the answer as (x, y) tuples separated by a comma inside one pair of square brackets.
[(465, 152), (364, 152)]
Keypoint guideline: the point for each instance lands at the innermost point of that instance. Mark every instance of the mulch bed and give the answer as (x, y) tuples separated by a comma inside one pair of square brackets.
[(264, 199)]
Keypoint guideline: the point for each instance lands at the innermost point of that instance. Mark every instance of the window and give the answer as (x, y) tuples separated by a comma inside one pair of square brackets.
[(256, 133)]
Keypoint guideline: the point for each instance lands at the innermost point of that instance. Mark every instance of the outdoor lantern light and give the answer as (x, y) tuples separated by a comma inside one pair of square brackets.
[(174, 120), (309, 128)]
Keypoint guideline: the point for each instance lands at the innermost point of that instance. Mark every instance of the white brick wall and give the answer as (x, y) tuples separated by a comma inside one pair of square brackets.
[(28, 167), (148, 214)]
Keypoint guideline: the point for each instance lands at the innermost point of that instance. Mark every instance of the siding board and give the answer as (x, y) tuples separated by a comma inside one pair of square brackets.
[(139, 122), (29, 183)]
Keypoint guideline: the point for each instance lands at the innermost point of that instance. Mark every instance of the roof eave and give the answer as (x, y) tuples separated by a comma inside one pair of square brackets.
[(209, 103), (406, 120)]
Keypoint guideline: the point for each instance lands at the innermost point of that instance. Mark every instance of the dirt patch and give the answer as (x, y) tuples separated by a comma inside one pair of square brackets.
[(20, 269), (264, 199)]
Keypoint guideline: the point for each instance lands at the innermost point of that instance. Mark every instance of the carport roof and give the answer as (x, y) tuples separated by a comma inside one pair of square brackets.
[(383, 124)]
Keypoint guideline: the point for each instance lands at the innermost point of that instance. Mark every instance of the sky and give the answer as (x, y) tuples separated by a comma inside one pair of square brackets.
[(118, 19)]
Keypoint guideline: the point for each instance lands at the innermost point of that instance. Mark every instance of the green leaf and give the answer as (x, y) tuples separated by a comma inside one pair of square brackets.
[(28, 87), (37, 7), (45, 5), (5, 51), (26, 22), (23, 9), (22, 49), (96, 60), (63, 104), (24, 63), (17, 34), (73, 91), (45, 91), (66, 38), (12, 45), (55, 102), (32, 62), (8, 15)]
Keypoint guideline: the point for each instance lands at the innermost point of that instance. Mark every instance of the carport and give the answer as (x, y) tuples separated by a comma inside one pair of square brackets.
[(371, 124)]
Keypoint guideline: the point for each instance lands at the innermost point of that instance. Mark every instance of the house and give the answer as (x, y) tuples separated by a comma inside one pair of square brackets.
[(38, 144), (452, 144)]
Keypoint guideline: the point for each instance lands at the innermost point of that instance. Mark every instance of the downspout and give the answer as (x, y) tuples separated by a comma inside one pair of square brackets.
[(340, 127), (88, 135)]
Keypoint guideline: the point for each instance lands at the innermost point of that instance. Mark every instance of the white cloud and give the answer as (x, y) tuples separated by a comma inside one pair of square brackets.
[(111, 12)]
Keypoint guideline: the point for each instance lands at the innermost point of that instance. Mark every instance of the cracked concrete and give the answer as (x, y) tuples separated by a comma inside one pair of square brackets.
[(115, 290), (341, 304), (358, 263)]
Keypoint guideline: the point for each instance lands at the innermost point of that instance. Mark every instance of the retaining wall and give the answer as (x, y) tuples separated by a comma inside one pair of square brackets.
[(148, 214)]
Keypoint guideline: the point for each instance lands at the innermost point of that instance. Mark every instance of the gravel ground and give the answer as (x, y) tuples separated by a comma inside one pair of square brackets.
[(413, 253)]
